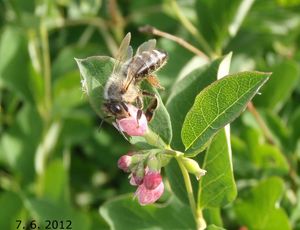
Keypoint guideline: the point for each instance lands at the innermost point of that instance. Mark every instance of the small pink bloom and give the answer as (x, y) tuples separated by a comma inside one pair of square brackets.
[(152, 180), (146, 196), (135, 180), (131, 125), (124, 163)]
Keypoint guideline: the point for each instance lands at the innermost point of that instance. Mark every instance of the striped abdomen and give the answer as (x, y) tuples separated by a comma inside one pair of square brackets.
[(147, 62)]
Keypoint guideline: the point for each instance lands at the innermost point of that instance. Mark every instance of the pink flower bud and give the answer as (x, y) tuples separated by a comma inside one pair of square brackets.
[(146, 196), (124, 163), (152, 180), (131, 125)]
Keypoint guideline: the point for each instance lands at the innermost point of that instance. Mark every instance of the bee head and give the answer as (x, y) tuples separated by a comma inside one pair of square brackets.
[(118, 109)]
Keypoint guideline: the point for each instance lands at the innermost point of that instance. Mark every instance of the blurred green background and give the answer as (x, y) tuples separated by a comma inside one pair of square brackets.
[(56, 162)]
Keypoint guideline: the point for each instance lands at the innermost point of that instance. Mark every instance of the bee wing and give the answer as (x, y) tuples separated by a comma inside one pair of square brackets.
[(146, 46), (124, 54)]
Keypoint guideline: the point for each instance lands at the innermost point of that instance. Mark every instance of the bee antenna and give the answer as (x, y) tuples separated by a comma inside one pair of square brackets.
[(100, 126), (120, 130)]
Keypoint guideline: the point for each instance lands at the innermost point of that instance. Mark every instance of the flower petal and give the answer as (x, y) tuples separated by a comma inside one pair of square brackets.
[(146, 196), (152, 179), (131, 125)]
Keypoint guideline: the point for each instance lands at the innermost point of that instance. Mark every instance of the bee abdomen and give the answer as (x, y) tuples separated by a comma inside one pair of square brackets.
[(148, 62)]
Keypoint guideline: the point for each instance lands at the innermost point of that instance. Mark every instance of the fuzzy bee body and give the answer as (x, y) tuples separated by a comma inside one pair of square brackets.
[(123, 87), (114, 87)]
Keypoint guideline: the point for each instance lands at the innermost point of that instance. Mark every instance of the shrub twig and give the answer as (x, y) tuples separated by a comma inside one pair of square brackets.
[(152, 30)]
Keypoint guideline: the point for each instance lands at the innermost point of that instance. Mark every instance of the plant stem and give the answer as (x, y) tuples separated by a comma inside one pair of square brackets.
[(97, 22), (188, 185), (191, 28), (117, 20), (261, 123), (152, 30), (154, 139), (46, 67)]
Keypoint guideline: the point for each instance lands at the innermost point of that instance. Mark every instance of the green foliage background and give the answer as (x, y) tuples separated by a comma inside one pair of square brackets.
[(55, 162)]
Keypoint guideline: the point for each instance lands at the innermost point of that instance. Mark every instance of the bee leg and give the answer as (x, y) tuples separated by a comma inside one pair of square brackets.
[(152, 105), (151, 108), (153, 80), (140, 105)]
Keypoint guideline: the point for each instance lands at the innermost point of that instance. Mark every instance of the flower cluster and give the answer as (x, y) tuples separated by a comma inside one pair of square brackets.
[(148, 180), (146, 177)]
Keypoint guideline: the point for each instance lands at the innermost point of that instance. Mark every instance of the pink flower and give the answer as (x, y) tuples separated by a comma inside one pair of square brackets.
[(131, 125), (149, 182), (146, 196), (124, 163), (152, 180), (136, 180)]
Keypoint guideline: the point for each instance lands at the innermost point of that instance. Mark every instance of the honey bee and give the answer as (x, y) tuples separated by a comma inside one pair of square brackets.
[(123, 85)]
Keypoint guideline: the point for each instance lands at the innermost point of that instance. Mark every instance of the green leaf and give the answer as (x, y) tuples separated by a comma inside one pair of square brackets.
[(13, 205), (176, 181), (66, 94), (278, 128), (19, 143), (183, 94), (217, 105), (263, 156), (55, 182), (260, 209), (295, 214), (288, 3), (67, 54), (243, 166), (161, 122), (98, 222), (219, 19), (95, 72), (270, 159), (214, 227), (142, 17), (14, 71), (24, 7), (123, 213), (217, 188), (283, 81), (213, 216), (43, 209), (294, 125), (76, 128)]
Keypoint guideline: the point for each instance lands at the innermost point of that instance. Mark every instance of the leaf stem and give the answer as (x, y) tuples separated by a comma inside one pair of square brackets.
[(152, 30), (191, 28)]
